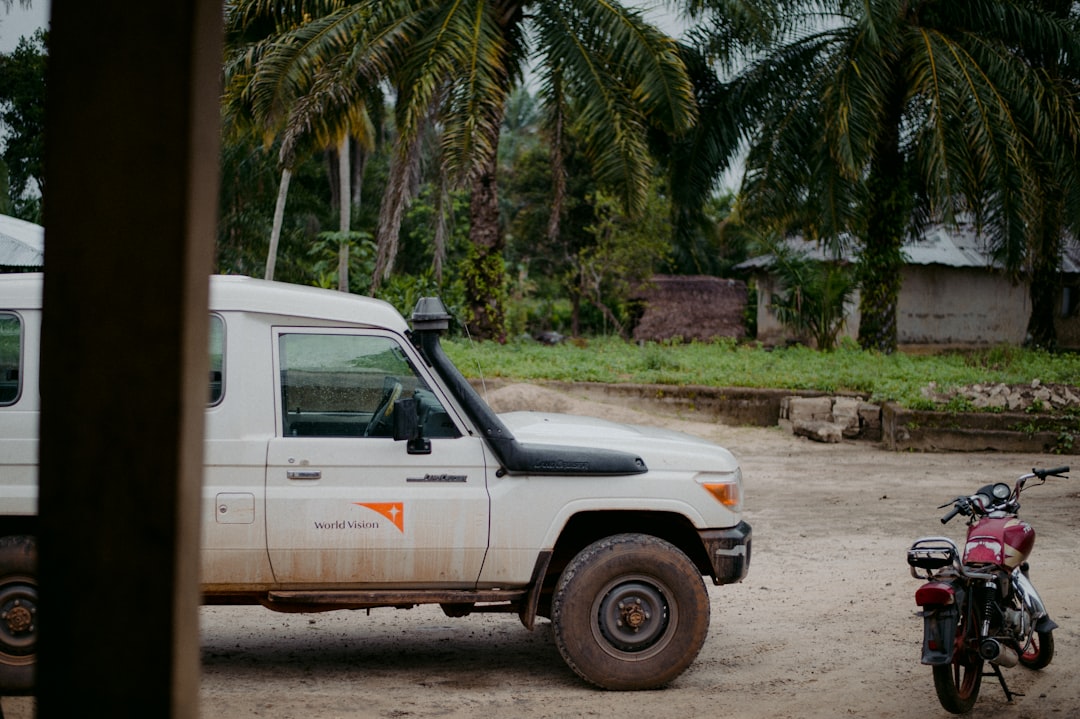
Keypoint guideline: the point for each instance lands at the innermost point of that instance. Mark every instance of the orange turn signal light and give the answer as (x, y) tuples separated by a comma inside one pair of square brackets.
[(727, 493)]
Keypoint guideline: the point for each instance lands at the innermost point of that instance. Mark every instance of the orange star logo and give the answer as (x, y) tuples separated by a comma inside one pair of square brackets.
[(394, 511)]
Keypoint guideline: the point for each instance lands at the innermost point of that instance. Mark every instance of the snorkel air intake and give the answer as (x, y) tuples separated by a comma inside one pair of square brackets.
[(429, 320)]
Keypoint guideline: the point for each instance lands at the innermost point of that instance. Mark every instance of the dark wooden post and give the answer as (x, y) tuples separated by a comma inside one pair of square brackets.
[(130, 212)]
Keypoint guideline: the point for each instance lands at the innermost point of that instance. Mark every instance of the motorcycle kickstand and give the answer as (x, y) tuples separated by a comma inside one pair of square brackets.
[(1004, 687)]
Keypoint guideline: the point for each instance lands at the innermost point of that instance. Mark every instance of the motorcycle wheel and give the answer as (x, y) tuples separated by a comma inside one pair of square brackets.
[(1041, 651), (957, 683)]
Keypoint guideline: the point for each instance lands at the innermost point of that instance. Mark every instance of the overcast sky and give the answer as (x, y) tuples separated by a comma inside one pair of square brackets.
[(19, 22)]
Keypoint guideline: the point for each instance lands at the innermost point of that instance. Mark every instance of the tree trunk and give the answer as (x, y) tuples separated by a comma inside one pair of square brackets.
[(279, 216), (1041, 332), (1045, 276), (575, 314), (345, 214), (404, 169), (881, 259), (485, 276)]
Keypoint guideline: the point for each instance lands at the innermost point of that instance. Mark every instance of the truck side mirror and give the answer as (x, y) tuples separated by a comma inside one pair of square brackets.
[(407, 426)]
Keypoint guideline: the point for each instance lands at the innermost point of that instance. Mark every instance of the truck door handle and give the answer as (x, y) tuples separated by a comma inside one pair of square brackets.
[(303, 474)]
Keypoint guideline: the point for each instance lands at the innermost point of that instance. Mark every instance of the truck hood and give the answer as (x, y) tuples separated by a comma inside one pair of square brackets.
[(660, 448)]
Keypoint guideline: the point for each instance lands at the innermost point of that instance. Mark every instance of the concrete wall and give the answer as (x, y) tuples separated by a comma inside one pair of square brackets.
[(1068, 321), (938, 305), (959, 305)]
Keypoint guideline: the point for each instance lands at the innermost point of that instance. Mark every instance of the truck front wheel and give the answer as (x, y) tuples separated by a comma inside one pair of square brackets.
[(18, 614), (630, 612)]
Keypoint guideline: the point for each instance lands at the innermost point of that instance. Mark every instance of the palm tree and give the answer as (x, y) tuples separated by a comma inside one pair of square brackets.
[(304, 106), (599, 65), (874, 117), (1058, 204)]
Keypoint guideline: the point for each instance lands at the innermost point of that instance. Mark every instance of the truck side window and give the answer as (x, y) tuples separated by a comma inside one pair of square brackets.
[(10, 357), (217, 359), (339, 385)]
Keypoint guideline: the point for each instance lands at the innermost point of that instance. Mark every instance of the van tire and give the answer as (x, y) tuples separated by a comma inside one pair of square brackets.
[(18, 614)]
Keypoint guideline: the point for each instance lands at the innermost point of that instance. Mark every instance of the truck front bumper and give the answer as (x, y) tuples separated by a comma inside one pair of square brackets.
[(729, 552)]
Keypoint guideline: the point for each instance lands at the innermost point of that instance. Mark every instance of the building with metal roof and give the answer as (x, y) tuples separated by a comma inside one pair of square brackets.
[(22, 245), (953, 292)]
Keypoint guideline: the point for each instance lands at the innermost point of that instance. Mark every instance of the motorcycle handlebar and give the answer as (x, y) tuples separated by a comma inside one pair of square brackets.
[(964, 505), (952, 513)]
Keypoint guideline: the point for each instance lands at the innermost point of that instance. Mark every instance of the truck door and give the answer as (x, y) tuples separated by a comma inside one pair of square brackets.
[(345, 503)]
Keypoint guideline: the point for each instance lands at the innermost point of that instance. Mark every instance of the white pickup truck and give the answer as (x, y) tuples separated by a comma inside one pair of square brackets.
[(350, 465)]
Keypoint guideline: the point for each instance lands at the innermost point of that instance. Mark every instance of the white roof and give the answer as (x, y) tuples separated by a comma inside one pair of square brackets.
[(22, 243), (244, 294)]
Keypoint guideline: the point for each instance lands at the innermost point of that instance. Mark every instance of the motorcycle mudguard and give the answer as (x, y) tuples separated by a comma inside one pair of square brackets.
[(939, 633), (1045, 624), (1031, 600)]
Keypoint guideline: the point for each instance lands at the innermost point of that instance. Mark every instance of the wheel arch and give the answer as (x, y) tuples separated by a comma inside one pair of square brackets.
[(586, 527), (11, 525)]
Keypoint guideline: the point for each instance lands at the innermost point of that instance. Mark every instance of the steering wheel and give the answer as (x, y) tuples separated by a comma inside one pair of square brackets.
[(385, 408)]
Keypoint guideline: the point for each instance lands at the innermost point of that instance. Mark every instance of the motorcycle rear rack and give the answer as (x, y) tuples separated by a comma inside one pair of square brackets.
[(928, 556), (932, 557)]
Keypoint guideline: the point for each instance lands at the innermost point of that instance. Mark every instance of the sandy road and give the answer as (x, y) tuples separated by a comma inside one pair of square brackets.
[(823, 627)]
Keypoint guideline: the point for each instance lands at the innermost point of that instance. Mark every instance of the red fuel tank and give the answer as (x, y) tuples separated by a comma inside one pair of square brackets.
[(1005, 541)]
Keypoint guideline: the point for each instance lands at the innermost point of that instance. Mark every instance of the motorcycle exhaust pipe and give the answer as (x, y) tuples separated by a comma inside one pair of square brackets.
[(995, 652)]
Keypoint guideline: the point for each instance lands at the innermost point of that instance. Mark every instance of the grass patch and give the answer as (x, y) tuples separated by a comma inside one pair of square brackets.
[(897, 377)]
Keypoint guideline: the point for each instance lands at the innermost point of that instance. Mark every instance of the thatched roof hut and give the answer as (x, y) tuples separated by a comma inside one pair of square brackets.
[(693, 307)]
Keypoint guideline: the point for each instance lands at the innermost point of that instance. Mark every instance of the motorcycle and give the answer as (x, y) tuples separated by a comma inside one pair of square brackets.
[(979, 606)]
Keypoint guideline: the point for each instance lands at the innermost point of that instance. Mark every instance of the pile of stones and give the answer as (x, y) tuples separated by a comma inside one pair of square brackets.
[(833, 419), (1035, 396)]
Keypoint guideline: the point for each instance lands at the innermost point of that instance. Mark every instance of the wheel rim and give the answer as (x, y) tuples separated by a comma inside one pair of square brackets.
[(634, 617), (966, 677), (967, 664), (1032, 651), (18, 618)]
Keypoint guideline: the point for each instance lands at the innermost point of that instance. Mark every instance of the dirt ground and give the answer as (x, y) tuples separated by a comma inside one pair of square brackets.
[(824, 626)]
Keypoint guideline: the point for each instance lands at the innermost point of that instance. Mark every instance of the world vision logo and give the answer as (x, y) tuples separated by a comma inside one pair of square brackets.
[(394, 511)]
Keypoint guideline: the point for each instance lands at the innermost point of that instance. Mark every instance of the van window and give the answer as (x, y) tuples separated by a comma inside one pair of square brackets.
[(342, 385), (10, 357), (217, 359)]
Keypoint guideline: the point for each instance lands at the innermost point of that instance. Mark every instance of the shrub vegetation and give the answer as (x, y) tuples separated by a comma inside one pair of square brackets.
[(899, 377)]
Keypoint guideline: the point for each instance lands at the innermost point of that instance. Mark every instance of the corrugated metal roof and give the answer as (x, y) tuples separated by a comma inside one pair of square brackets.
[(954, 247), (939, 245), (22, 243)]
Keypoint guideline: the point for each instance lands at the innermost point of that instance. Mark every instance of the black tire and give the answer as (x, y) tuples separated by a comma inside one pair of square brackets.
[(630, 612), (957, 683), (1041, 651), (18, 614)]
